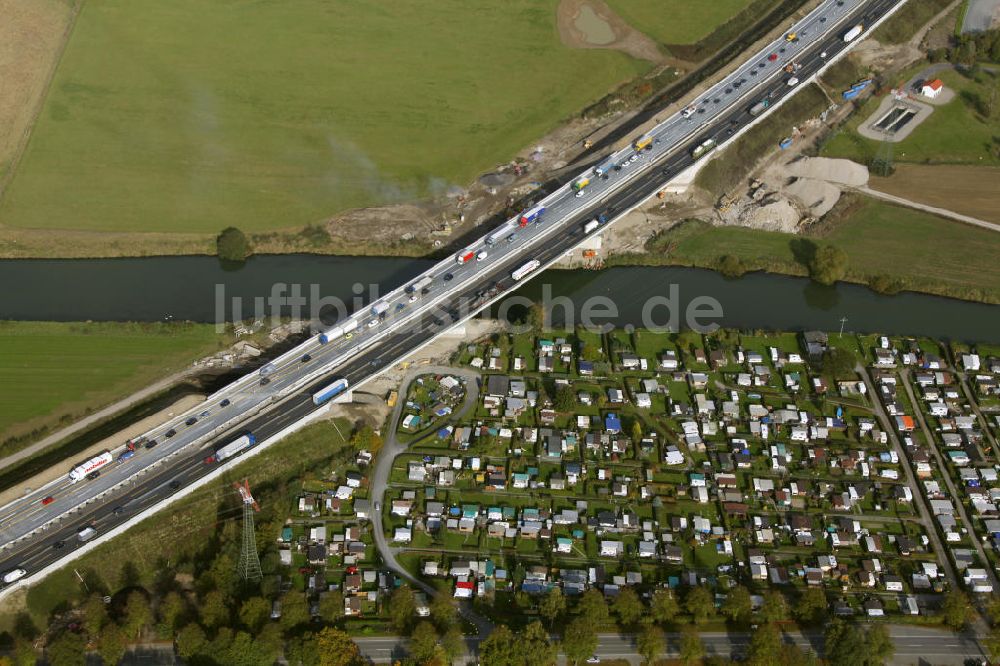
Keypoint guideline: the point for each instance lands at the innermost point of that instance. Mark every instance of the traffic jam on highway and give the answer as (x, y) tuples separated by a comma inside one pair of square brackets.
[(509, 247)]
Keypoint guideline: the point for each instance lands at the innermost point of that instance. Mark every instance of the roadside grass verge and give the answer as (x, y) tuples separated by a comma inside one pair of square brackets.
[(912, 16), (199, 527), (53, 372), (915, 251), (731, 167), (155, 124), (963, 131)]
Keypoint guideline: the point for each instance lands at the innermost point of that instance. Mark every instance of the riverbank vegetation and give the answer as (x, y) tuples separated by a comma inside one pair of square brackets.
[(886, 246), (52, 373)]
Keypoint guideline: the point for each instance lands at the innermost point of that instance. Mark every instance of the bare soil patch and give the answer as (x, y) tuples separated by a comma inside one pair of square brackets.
[(971, 190), (573, 17), (32, 34)]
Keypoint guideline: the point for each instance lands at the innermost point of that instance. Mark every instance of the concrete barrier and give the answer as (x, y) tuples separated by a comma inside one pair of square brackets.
[(149, 512)]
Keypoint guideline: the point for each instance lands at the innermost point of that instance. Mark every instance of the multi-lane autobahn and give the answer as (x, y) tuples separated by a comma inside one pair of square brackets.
[(266, 402)]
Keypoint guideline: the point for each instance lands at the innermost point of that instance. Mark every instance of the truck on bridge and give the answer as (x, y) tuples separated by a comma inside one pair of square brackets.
[(338, 331), (330, 391), (380, 308), (420, 285), (852, 34), (644, 142), (605, 167), (81, 471), (759, 107), (703, 148), (533, 215), (232, 448), (580, 183), (523, 271)]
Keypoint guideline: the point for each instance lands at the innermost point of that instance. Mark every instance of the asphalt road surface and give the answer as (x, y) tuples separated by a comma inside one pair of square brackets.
[(914, 645), (265, 405)]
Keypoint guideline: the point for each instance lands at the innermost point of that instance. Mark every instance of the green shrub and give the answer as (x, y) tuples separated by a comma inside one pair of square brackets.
[(232, 245)]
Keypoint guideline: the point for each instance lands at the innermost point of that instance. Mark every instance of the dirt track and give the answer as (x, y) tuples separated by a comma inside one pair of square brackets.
[(970, 190), (32, 34)]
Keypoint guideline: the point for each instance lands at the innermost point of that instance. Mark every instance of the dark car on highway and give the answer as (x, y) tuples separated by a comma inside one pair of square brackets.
[(151, 443), (93, 475), (224, 403)]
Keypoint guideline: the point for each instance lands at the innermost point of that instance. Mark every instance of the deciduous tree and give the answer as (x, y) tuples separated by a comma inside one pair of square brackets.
[(579, 640), (402, 609), (335, 648), (500, 648), (737, 606), (956, 610), (424, 645), (553, 605), (331, 605), (699, 604), (664, 606), (650, 643), (191, 641), (774, 608), (828, 265), (811, 607), (232, 245), (593, 607), (692, 649), (138, 615), (214, 610), (254, 612), (628, 608), (765, 646), (538, 647)]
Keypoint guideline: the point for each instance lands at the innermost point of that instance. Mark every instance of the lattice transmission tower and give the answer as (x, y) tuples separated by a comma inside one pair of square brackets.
[(249, 566)]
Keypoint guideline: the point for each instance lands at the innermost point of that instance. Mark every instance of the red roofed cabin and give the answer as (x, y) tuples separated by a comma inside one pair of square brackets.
[(931, 89)]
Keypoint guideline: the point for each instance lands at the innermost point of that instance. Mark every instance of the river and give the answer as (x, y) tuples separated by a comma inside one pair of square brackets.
[(191, 288)]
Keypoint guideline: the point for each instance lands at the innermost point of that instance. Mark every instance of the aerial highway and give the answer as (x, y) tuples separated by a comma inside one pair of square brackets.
[(41, 526)]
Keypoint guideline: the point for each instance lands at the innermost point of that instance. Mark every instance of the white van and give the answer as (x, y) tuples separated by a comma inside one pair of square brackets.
[(86, 534), (11, 576)]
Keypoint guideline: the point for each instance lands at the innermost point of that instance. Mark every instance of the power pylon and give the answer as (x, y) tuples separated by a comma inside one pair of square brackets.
[(249, 566), (882, 163)]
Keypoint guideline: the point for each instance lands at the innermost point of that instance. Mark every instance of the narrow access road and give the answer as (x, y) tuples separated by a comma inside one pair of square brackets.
[(933, 210), (383, 469), (946, 473), (918, 496)]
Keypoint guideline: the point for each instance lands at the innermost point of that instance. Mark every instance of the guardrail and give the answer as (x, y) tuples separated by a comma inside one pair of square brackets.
[(363, 344)]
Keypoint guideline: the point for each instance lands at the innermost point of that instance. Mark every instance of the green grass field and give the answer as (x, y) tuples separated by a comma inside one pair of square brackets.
[(921, 251), (53, 370), (677, 21), (184, 116), (960, 132)]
